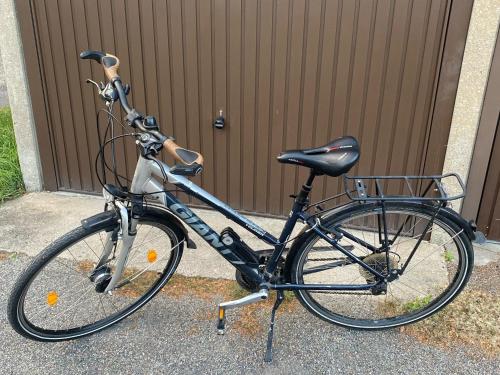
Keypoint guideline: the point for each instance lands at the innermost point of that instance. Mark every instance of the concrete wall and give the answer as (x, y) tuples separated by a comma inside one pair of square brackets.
[(2, 74), (11, 49), (4, 99), (479, 50)]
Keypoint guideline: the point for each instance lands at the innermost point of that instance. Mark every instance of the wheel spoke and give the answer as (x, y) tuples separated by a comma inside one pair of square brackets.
[(393, 301), (78, 303)]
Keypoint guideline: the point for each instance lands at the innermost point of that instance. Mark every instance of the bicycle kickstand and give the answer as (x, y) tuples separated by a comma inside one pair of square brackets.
[(269, 351)]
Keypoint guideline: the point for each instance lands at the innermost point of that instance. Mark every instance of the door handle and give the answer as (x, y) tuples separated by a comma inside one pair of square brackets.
[(220, 121)]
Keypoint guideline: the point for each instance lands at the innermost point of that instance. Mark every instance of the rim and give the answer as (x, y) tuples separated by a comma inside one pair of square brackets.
[(146, 277), (437, 274)]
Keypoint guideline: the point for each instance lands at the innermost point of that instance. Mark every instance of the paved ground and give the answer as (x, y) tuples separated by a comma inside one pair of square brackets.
[(178, 336), (33, 221), (167, 336)]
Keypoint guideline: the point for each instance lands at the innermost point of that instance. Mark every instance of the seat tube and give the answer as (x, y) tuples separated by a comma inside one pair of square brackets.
[(300, 202)]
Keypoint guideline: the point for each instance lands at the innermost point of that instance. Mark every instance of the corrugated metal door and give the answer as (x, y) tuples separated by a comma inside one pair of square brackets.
[(286, 74), (488, 219), (482, 202)]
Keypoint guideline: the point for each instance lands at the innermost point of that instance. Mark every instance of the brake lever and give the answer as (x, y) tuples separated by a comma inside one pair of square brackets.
[(95, 84)]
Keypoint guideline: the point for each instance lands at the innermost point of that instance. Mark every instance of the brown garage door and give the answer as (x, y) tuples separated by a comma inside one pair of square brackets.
[(286, 73), (488, 219), (482, 202)]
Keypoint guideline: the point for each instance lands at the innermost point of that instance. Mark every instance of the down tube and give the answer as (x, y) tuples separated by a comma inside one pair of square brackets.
[(212, 237)]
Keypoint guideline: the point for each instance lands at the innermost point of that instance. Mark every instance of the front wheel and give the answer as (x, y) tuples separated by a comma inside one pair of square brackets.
[(436, 272), (60, 294)]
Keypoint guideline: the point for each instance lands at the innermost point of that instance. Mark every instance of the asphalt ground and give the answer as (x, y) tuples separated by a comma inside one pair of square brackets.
[(177, 336)]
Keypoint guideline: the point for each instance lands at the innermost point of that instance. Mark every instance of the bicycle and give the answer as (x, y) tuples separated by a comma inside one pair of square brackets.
[(378, 261)]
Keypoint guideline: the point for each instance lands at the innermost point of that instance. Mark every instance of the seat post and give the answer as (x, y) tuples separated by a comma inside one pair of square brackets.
[(310, 179), (303, 195), (300, 202)]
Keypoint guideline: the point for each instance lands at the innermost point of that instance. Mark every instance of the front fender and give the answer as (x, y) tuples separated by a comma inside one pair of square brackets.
[(163, 212), (106, 218), (110, 219)]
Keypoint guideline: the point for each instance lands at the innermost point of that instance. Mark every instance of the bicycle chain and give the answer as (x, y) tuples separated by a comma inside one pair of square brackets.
[(338, 291), (325, 259)]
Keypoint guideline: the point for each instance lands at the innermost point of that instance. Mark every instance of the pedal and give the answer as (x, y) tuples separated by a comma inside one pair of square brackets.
[(221, 322), (251, 298)]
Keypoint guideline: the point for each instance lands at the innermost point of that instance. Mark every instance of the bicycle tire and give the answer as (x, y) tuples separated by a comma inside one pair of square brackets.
[(15, 308), (465, 268)]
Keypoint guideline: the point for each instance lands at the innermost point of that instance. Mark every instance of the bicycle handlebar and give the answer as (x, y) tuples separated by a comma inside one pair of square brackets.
[(122, 96), (109, 62), (110, 65)]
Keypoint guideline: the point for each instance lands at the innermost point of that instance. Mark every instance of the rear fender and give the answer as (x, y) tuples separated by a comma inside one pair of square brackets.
[(469, 226)]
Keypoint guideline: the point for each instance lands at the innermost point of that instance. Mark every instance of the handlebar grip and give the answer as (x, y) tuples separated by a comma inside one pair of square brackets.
[(109, 62), (182, 155), (94, 55)]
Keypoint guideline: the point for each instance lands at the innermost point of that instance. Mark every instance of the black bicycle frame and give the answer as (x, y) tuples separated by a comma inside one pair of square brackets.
[(234, 255)]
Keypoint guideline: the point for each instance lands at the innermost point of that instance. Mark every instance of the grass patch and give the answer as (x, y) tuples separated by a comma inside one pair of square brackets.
[(4, 255), (417, 304), (248, 320), (8, 255), (472, 319), (448, 256), (11, 179)]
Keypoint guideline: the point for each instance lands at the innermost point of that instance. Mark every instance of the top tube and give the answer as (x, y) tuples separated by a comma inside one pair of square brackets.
[(196, 191)]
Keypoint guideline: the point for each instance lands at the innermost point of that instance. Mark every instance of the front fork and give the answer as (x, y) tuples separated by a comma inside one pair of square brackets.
[(127, 241)]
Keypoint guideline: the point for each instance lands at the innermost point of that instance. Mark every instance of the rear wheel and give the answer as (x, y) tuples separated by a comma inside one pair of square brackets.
[(434, 275), (60, 294)]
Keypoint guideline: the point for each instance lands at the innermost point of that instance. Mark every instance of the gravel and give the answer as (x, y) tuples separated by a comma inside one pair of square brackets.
[(486, 278), (168, 336)]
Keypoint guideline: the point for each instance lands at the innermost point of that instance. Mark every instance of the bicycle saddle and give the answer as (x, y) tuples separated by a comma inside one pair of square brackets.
[(333, 159)]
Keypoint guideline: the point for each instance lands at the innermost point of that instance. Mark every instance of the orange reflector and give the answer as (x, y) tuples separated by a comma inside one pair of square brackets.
[(52, 298), (221, 314), (152, 256)]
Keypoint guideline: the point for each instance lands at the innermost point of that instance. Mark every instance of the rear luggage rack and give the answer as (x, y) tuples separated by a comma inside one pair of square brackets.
[(404, 188)]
